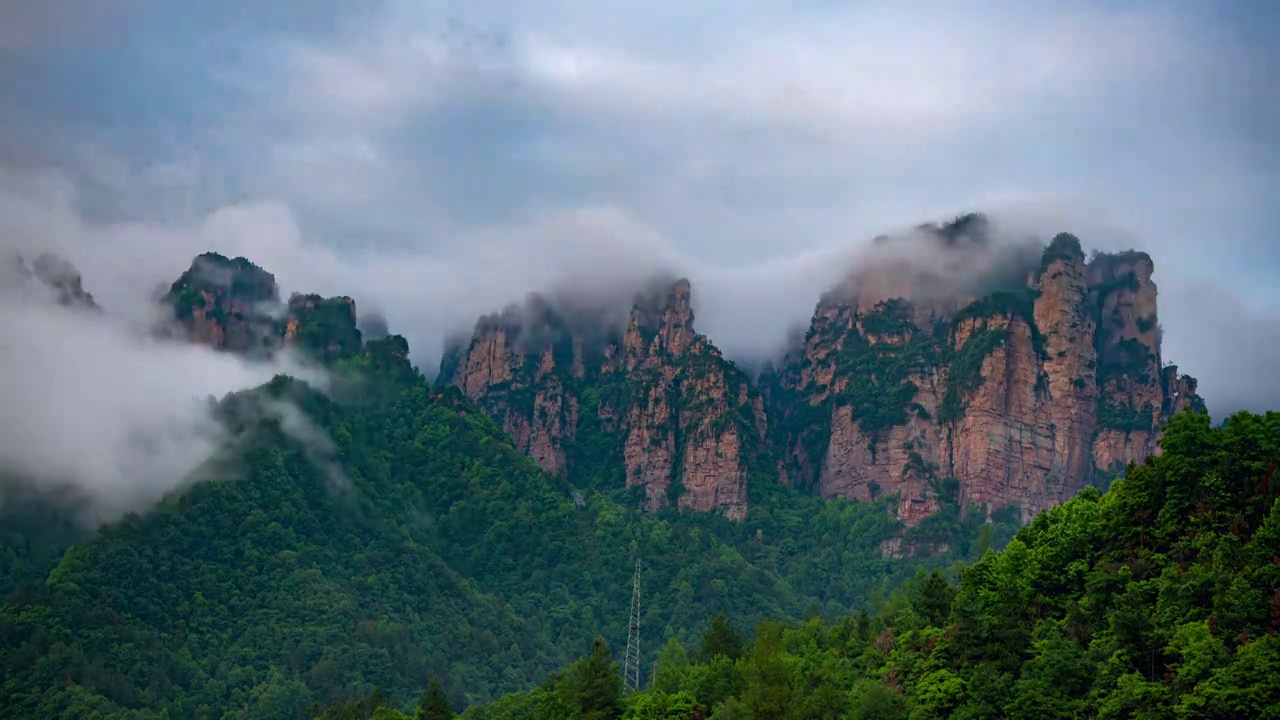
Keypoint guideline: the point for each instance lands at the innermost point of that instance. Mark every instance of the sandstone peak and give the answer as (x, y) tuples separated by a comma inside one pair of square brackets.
[(1020, 395), (234, 305), (583, 393), (51, 273), (951, 368)]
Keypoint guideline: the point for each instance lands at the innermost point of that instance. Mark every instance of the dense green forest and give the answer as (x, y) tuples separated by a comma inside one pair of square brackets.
[(1159, 599), (417, 544)]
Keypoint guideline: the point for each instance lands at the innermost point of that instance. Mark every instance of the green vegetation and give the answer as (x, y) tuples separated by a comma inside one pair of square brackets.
[(1019, 303), (1064, 246), (326, 326), (878, 374), (1129, 358), (420, 561), (421, 545), (237, 277), (1159, 599), (1125, 418), (891, 318), (964, 373)]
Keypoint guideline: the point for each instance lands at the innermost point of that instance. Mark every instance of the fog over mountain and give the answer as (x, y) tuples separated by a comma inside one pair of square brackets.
[(438, 162)]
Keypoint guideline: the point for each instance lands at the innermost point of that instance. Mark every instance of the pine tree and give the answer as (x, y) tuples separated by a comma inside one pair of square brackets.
[(720, 638), (768, 696), (434, 704), (597, 685), (932, 598)]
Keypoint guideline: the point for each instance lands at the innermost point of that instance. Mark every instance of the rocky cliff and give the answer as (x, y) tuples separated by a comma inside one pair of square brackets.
[(51, 275), (232, 304), (947, 370), (651, 400), (1016, 393)]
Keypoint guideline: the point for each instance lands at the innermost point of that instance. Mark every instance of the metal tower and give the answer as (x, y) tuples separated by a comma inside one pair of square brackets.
[(631, 666)]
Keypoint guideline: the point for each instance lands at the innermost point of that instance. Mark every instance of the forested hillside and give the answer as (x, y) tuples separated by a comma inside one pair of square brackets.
[(349, 548), (1157, 599), (421, 544)]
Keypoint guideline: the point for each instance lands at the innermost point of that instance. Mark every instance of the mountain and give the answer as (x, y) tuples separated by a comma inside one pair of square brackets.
[(232, 304), (980, 377), (651, 404), (1020, 396), (1159, 599), (52, 275), (390, 532)]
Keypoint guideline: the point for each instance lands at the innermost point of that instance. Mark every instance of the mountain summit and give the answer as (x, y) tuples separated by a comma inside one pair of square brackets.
[(653, 404), (986, 377)]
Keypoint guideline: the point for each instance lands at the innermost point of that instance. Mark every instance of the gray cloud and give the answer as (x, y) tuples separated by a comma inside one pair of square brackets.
[(440, 160), (27, 24), (1231, 345), (90, 404)]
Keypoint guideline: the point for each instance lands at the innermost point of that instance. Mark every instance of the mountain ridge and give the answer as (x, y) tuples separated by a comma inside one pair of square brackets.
[(1036, 375)]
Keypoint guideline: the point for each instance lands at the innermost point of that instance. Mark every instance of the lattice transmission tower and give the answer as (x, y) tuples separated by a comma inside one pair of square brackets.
[(631, 666)]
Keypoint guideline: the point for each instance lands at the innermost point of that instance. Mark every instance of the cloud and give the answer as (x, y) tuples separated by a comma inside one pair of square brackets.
[(424, 295), (1228, 343), (26, 24), (93, 406), (439, 160)]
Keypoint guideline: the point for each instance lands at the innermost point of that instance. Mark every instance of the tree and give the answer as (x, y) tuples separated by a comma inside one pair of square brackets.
[(596, 685), (720, 638), (672, 669), (434, 704), (869, 700), (932, 597), (768, 695)]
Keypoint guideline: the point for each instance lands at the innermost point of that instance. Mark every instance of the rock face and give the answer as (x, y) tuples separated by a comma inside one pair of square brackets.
[(54, 276), (948, 371), (1019, 397), (654, 401), (234, 305)]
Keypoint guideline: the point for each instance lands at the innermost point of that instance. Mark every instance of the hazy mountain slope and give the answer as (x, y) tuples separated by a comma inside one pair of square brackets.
[(1159, 599), (954, 366), (389, 533)]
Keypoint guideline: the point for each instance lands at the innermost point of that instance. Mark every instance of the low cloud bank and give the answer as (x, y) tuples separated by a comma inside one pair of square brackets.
[(92, 403), (93, 407)]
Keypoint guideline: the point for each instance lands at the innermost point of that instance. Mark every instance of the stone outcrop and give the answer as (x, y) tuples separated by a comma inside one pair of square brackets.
[(1019, 397), (233, 305), (653, 398), (323, 327), (54, 277), (226, 304), (946, 371)]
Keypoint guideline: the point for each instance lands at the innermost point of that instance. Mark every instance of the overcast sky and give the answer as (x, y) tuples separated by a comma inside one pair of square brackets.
[(436, 159)]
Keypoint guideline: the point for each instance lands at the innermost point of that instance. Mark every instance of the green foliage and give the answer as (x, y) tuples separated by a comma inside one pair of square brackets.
[(720, 638), (325, 327), (434, 704), (970, 227), (658, 705), (891, 318), (1124, 418), (1010, 303), (964, 373), (878, 375), (1063, 247), (594, 685), (1129, 358), (421, 545), (1160, 599), (377, 706)]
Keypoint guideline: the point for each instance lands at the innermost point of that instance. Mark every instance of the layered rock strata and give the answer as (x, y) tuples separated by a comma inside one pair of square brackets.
[(1021, 397), (655, 398)]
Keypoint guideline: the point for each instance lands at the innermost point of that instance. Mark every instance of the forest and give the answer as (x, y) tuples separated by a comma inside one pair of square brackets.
[(418, 545), (1158, 599)]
